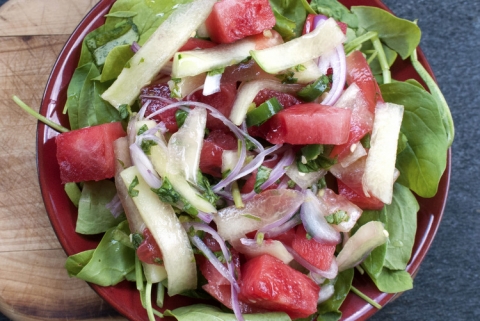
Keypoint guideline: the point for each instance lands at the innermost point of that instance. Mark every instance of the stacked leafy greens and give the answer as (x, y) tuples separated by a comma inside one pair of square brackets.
[(378, 34)]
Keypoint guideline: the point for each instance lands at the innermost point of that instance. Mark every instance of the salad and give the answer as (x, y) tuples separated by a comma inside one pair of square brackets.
[(256, 155)]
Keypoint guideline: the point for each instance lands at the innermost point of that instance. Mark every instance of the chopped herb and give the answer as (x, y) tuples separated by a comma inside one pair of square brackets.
[(313, 91), (308, 236), (260, 238), (179, 56), (337, 217), (142, 129), (263, 174), (180, 116), (216, 71), (226, 173), (322, 183), (131, 189), (158, 260), (121, 162), (291, 184), (124, 111), (287, 78), (244, 61), (166, 193), (322, 160), (142, 60), (252, 217), (137, 239), (205, 188), (127, 65), (300, 68), (146, 145), (366, 141)]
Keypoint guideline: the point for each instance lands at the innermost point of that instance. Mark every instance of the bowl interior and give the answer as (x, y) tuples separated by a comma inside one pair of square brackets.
[(124, 297)]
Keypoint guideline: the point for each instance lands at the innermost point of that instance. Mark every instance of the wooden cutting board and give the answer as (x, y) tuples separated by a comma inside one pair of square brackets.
[(33, 282)]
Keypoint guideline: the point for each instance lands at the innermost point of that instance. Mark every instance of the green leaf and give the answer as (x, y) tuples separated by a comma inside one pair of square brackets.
[(342, 283), (423, 161), (122, 14), (108, 264), (84, 105), (149, 15), (115, 61), (389, 281), (75, 263), (290, 17), (131, 189), (401, 35), (336, 10), (330, 316), (202, 312), (74, 193), (284, 26), (73, 94), (166, 193), (93, 216), (263, 174), (401, 227)]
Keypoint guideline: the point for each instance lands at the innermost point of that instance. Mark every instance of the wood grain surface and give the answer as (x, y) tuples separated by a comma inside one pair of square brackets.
[(33, 282)]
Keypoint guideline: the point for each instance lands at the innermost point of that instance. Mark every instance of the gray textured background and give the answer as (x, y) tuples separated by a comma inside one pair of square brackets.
[(447, 286)]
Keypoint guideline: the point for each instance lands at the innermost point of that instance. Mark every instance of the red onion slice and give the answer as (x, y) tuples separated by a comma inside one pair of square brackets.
[(337, 61), (226, 253), (115, 206), (144, 166), (206, 217), (313, 214), (331, 273), (339, 67), (279, 230), (240, 134), (135, 46)]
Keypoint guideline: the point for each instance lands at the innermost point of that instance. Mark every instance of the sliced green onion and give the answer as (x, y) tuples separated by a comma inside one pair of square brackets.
[(160, 294), (313, 91), (263, 112)]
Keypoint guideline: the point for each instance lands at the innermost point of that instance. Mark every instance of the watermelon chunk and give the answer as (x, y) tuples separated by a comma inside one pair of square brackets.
[(86, 154), (269, 283), (231, 20), (315, 253), (310, 124)]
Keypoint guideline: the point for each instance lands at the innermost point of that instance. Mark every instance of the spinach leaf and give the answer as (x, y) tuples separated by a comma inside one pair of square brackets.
[(84, 104), (423, 161), (93, 216), (202, 312), (401, 227), (149, 15), (329, 309), (115, 61), (401, 35), (73, 94), (389, 281), (330, 316), (108, 264), (102, 43), (336, 10), (290, 17)]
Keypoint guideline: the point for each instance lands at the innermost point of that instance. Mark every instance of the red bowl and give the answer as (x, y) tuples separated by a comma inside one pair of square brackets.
[(124, 297)]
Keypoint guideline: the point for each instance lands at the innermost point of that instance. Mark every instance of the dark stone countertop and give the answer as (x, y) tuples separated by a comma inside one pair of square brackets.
[(447, 284)]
